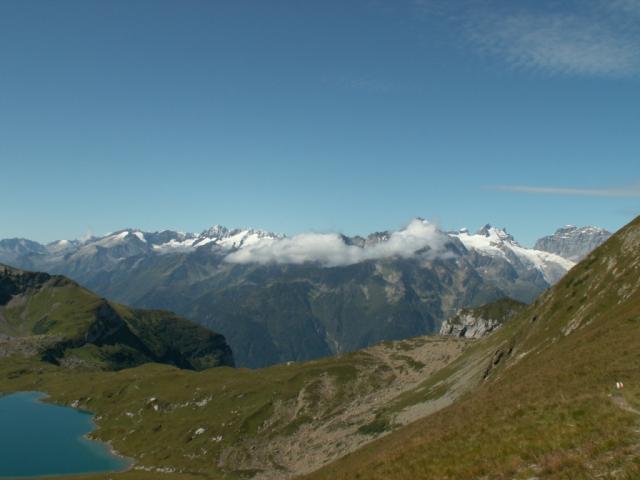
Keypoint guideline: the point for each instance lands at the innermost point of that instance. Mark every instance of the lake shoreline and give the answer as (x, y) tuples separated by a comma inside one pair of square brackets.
[(105, 450)]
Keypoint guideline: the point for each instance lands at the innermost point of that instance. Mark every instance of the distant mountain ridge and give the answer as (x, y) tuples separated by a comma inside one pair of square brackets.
[(279, 298), (573, 243), (496, 242), (163, 241), (130, 242)]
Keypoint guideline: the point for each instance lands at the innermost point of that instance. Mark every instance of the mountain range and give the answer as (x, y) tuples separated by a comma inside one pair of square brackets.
[(278, 298), (546, 390)]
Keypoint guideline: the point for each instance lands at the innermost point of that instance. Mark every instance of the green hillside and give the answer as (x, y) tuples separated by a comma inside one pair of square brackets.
[(502, 309), (547, 406), (56, 320), (238, 423)]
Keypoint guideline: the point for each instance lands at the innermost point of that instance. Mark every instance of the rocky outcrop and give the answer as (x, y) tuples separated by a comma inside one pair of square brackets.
[(480, 321), (468, 326)]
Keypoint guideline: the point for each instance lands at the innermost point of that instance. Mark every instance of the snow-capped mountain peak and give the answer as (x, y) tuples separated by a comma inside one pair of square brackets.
[(489, 239), (62, 246), (489, 248), (216, 237), (128, 234), (496, 235), (573, 242), (217, 231), (496, 242)]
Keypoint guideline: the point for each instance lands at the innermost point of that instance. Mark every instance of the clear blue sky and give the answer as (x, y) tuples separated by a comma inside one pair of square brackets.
[(317, 115)]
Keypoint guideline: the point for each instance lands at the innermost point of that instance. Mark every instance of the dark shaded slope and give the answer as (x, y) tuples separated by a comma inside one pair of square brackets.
[(300, 312)]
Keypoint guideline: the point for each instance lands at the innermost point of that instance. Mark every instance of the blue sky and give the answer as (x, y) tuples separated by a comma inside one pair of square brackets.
[(299, 116)]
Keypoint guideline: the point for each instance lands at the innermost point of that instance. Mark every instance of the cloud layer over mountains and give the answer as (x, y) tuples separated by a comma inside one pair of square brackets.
[(330, 249)]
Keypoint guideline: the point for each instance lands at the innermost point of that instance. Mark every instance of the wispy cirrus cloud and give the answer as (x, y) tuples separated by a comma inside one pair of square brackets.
[(559, 43), (585, 37), (631, 191), (625, 6)]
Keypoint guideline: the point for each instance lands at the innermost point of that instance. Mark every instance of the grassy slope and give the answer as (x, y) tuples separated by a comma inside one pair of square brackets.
[(55, 306), (255, 421), (64, 315), (549, 407), (250, 417), (502, 309)]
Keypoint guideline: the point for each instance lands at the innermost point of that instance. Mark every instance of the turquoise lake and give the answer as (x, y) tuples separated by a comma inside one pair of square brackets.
[(38, 439)]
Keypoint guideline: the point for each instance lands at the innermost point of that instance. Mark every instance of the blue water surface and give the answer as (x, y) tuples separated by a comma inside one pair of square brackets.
[(38, 439)]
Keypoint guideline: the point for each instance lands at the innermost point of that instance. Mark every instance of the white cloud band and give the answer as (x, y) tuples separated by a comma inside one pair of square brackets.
[(330, 250)]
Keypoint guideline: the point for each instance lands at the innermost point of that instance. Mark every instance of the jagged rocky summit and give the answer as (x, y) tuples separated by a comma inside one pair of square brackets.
[(573, 243)]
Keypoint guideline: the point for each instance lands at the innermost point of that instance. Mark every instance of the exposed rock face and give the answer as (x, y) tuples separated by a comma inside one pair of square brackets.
[(478, 322), (573, 243), (468, 326)]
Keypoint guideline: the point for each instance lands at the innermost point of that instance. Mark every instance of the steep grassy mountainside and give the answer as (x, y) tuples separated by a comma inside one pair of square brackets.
[(480, 321), (55, 319), (271, 423), (548, 406)]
